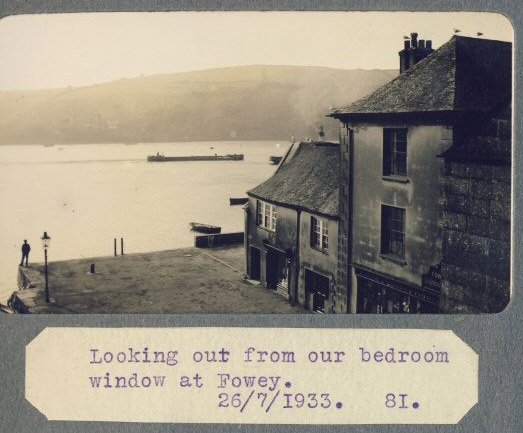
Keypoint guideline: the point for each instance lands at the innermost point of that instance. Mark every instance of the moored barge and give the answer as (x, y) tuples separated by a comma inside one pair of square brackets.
[(228, 157)]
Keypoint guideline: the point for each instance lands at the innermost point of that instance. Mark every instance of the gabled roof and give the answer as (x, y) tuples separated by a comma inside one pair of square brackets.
[(465, 75), (308, 179)]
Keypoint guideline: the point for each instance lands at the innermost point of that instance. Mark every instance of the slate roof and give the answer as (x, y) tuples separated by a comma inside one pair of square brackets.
[(308, 180), (463, 75)]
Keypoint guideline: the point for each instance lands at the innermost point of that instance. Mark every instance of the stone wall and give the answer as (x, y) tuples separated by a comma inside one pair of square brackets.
[(476, 225), (218, 240), (341, 302)]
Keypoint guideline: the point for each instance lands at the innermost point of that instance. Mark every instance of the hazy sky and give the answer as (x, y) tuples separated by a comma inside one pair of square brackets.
[(43, 51)]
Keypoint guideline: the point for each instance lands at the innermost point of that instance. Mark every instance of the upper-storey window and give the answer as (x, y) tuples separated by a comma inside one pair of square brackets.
[(266, 215), (319, 233), (393, 231), (395, 152)]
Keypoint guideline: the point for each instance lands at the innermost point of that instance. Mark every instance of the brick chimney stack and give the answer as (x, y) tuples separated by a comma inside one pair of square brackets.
[(414, 51)]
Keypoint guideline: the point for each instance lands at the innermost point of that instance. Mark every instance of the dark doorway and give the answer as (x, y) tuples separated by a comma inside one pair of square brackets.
[(277, 271), (272, 270), (255, 264), (317, 287)]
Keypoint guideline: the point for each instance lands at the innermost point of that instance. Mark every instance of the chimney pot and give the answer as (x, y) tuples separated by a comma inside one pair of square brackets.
[(414, 39), (411, 55)]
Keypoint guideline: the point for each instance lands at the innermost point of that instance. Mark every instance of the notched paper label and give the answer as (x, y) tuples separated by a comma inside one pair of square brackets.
[(252, 375)]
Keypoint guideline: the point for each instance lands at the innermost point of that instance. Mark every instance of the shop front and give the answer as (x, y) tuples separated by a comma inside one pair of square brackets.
[(380, 294)]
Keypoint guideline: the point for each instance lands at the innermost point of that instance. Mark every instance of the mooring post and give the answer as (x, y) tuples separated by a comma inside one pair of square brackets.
[(121, 245), (115, 251), (47, 298)]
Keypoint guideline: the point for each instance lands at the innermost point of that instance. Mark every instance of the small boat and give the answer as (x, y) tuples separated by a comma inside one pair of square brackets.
[(228, 157), (238, 200), (6, 309), (49, 145), (205, 228), (275, 159)]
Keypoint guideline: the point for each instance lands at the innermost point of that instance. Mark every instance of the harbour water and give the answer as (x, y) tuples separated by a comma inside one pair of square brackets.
[(86, 195)]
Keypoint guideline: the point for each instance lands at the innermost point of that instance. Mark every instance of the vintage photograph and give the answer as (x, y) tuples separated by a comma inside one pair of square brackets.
[(256, 162)]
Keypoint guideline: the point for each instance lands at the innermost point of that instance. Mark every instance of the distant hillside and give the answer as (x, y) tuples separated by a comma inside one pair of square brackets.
[(248, 102)]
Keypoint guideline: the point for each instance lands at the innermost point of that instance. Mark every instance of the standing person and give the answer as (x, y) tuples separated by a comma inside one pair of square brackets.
[(25, 253)]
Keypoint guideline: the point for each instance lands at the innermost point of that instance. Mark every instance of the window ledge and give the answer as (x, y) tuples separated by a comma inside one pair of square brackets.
[(394, 178), (265, 229), (320, 250), (393, 259)]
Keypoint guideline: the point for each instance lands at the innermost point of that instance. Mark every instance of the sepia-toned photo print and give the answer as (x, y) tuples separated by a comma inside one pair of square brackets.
[(256, 162)]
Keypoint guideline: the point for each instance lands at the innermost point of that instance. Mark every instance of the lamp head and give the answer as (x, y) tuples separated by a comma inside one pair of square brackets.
[(46, 240)]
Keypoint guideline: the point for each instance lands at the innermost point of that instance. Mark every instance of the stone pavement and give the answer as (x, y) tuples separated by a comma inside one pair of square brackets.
[(189, 280)]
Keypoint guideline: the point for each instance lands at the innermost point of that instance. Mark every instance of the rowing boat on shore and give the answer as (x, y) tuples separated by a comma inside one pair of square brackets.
[(205, 228)]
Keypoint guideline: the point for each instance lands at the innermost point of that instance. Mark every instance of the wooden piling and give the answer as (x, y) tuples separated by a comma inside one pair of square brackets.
[(115, 251), (121, 245)]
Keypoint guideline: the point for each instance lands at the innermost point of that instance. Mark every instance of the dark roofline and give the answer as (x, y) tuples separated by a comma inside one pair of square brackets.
[(443, 116), (447, 80), (293, 206)]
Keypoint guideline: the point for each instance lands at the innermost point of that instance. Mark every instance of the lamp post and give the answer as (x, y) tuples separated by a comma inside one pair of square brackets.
[(45, 244)]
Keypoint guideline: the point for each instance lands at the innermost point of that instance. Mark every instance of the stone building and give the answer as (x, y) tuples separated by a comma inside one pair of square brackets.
[(291, 226), (392, 179), (476, 219)]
